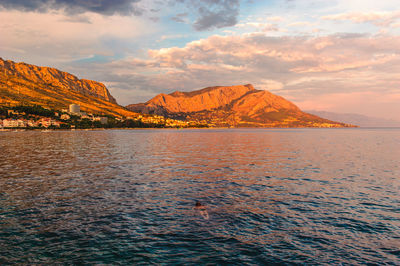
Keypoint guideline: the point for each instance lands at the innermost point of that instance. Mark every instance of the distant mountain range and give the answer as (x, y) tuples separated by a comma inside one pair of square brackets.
[(357, 119), (25, 84), (232, 106)]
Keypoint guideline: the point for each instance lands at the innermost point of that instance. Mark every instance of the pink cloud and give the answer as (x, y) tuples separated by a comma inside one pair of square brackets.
[(382, 19)]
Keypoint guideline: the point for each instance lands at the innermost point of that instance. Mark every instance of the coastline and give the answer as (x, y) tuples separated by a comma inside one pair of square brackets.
[(186, 129)]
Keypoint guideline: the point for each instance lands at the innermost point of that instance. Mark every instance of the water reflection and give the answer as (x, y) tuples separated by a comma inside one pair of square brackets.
[(273, 196)]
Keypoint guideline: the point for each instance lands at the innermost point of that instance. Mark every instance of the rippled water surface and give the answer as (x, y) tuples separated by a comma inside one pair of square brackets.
[(307, 196)]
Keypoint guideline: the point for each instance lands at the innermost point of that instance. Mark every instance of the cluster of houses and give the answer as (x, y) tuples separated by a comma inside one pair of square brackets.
[(23, 123), (156, 119), (21, 120), (46, 121)]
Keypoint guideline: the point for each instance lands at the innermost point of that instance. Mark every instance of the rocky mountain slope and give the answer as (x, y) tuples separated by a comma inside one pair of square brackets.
[(232, 106), (25, 84)]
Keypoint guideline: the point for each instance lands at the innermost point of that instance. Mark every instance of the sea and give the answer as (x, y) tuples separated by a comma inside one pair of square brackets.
[(268, 196)]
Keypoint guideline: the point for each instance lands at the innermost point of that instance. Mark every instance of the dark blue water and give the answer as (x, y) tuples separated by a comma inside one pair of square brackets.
[(295, 196)]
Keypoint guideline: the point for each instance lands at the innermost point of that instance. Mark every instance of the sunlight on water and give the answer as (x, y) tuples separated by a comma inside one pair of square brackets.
[(272, 196)]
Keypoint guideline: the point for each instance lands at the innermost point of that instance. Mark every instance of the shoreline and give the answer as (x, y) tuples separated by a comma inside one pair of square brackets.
[(194, 128)]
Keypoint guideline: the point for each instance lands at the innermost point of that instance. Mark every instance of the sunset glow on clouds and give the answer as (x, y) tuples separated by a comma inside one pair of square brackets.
[(341, 56)]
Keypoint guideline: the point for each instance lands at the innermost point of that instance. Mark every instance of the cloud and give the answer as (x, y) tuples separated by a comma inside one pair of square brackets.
[(272, 85), (174, 36), (104, 7), (301, 24), (212, 14), (381, 19), (37, 38), (294, 54), (206, 14), (264, 27), (181, 17), (276, 19)]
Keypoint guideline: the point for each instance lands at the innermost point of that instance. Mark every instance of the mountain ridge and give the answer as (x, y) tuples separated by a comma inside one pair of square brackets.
[(207, 98), (26, 84), (232, 106), (42, 74)]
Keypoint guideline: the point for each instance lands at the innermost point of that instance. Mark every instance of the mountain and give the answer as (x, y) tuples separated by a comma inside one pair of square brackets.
[(231, 106), (357, 119), (25, 84)]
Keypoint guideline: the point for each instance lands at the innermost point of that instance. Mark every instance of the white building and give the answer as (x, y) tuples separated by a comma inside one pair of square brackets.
[(10, 123), (74, 108)]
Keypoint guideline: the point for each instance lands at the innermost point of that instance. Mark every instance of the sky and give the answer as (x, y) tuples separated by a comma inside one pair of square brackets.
[(333, 55)]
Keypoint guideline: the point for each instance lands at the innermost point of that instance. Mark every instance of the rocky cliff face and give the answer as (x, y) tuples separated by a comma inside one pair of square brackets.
[(195, 101), (205, 99), (24, 84), (56, 78), (233, 106)]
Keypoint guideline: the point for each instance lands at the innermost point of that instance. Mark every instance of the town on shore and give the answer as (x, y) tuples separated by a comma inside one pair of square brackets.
[(38, 117)]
